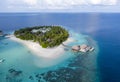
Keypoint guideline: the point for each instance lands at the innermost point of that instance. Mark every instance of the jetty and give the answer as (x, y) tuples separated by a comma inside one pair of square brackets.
[(66, 46)]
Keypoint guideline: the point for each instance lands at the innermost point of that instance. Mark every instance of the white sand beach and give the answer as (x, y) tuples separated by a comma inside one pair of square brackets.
[(45, 57), (43, 52)]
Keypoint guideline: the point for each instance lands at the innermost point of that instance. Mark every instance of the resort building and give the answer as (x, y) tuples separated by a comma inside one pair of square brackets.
[(43, 30), (76, 48)]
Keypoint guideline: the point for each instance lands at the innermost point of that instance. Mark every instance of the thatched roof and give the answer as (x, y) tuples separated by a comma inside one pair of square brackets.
[(84, 46), (76, 47)]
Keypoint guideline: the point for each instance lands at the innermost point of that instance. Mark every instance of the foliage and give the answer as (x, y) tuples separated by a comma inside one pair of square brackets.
[(46, 36)]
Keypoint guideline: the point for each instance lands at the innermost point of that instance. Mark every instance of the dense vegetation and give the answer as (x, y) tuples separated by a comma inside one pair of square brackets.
[(47, 36)]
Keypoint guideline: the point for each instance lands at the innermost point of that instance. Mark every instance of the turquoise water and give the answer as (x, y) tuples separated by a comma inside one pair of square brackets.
[(102, 27), (21, 65)]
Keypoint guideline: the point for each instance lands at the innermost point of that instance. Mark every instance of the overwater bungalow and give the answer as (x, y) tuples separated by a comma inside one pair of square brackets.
[(76, 48), (82, 48)]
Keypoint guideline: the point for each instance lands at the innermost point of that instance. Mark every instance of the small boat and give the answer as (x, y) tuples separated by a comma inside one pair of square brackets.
[(2, 60), (92, 49)]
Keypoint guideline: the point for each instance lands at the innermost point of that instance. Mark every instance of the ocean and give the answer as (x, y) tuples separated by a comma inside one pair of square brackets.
[(102, 28)]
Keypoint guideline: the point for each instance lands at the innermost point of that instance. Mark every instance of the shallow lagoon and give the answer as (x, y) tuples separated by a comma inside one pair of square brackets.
[(21, 65)]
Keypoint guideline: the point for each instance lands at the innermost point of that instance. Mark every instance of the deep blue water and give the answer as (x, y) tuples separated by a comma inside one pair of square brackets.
[(104, 28)]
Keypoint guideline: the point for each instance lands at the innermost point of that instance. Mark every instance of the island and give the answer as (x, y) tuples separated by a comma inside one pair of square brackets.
[(1, 33), (49, 43), (46, 36)]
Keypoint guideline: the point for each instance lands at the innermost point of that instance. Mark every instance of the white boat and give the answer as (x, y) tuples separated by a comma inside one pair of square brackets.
[(2, 60), (92, 49)]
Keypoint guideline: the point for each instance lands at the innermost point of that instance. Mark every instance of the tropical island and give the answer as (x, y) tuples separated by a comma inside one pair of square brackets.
[(49, 43), (44, 41), (1, 33), (46, 36)]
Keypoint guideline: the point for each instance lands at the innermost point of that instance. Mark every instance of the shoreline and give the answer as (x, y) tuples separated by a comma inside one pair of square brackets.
[(45, 58), (43, 52)]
